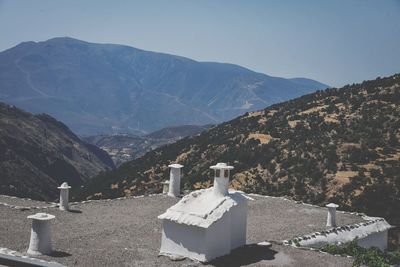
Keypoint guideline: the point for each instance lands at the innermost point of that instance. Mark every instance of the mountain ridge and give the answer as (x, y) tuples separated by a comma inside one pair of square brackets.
[(38, 153), (107, 88)]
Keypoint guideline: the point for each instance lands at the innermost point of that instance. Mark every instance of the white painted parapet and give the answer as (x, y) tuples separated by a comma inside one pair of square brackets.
[(331, 218), (175, 180), (373, 232), (221, 179), (64, 196), (40, 242)]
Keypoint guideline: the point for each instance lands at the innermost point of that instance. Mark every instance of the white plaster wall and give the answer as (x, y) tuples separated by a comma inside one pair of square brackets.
[(238, 225), (183, 240), (219, 238), (378, 240)]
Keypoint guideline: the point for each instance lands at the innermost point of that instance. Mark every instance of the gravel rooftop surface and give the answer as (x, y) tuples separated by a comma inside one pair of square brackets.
[(127, 233)]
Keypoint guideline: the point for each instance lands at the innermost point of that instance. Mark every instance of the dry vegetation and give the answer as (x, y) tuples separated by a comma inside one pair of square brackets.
[(339, 145)]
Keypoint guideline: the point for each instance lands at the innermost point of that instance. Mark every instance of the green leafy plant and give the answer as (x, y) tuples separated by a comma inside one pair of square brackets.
[(368, 256)]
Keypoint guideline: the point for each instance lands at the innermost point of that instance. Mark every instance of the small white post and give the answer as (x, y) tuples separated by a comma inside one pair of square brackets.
[(165, 187), (40, 242), (175, 180), (221, 178), (331, 219), (64, 196)]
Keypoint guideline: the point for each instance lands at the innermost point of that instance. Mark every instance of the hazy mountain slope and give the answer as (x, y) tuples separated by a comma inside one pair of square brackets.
[(38, 153), (177, 132), (125, 147), (105, 88), (339, 145)]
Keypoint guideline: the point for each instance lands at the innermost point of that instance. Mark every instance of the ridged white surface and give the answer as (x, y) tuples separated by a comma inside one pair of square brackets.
[(202, 208)]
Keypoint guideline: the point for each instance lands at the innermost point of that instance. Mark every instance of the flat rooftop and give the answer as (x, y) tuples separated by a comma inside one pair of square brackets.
[(126, 232)]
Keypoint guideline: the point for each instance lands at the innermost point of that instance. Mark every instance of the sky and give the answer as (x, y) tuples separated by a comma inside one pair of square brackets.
[(335, 42)]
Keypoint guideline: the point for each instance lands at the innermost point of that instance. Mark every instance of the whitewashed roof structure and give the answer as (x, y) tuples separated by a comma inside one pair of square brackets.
[(344, 234), (202, 208)]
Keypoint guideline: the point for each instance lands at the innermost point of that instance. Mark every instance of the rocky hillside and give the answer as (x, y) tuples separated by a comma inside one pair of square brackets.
[(178, 132), (340, 145), (106, 88), (126, 147), (38, 153)]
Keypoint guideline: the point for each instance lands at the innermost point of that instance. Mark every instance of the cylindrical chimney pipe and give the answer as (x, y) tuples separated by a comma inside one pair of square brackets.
[(64, 196), (40, 241), (175, 180), (165, 187), (221, 178), (331, 218)]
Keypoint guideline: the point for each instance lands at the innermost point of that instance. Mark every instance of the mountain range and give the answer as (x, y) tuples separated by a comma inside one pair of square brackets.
[(334, 145), (107, 88), (38, 153)]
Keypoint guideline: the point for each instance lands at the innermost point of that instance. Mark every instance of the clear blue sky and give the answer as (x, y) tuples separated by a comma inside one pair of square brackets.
[(335, 42)]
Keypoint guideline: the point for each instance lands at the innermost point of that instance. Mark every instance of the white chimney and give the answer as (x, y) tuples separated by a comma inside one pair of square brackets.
[(221, 178), (331, 219), (165, 187), (175, 180), (40, 242), (64, 196)]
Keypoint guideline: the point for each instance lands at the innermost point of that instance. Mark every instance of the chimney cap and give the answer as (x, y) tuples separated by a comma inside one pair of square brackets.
[(221, 166), (165, 182), (41, 216), (175, 165), (64, 186), (332, 205)]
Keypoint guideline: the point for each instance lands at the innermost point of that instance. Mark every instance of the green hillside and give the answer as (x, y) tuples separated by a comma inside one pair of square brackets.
[(339, 145)]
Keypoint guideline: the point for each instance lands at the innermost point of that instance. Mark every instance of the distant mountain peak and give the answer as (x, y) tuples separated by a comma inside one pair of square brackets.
[(97, 88)]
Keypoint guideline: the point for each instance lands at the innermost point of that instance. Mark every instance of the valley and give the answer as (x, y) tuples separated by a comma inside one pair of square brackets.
[(126, 147)]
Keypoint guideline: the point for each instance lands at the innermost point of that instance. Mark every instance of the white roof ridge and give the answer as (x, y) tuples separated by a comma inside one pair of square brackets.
[(345, 233), (209, 210)]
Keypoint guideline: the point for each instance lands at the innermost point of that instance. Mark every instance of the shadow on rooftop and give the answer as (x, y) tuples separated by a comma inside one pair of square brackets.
[(251, 253), (60, 254), (74, 211)]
